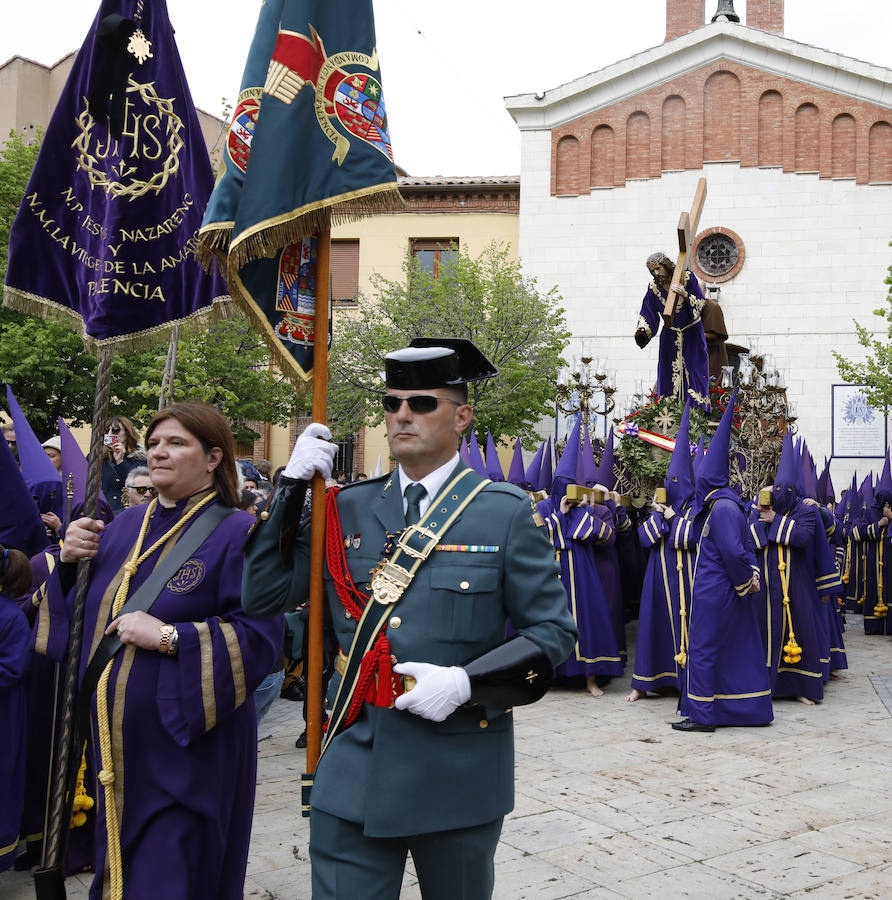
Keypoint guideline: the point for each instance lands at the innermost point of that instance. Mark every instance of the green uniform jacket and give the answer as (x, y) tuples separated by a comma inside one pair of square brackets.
[(395, 772)]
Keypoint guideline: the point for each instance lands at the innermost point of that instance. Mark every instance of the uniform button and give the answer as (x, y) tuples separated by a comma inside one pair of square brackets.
[(395, 622), (483, 723), (347, 614), (465, 585), (264, 516), (392, 660)]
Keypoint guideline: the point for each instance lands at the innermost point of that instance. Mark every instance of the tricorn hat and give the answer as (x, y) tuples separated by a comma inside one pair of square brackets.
[(436, 362)]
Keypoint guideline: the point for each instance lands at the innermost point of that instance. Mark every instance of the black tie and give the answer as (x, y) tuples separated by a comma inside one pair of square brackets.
[(414, 494)]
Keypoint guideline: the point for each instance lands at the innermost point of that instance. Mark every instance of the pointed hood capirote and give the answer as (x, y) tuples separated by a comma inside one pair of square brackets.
[(605, 473), (697, 461), (884, 485), (785, 491), (477, 463), (493, 470), (74, 465), (20, 525), (568, 464), (545, 471), (37, 467), (714, 470), (679, 480), (533, 471), (586, 470), (463, 452), (516, 474)]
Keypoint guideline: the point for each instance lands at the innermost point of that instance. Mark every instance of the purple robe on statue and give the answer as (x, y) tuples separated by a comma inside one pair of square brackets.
[(183, 728), (683, 366), (573, 535), (727, 681), (15, 652)]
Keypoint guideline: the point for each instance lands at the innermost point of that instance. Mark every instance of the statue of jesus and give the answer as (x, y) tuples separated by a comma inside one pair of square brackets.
[(683, 366)]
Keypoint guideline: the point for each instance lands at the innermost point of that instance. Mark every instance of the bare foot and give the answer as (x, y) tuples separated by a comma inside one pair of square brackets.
[(592, 687), (634, 695), (806, 701)]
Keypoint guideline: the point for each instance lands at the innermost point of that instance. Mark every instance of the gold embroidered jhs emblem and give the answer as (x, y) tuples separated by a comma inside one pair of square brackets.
[(190, 575)]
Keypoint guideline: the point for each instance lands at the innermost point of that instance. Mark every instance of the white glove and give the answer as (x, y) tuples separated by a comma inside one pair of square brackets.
[(310, 454), (439, 690)]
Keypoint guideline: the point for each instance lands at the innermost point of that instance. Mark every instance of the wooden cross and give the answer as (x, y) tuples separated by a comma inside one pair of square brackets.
[(687, 229)]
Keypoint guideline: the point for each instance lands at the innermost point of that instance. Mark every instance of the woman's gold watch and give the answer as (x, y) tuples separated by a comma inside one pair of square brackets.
[(167, 645)]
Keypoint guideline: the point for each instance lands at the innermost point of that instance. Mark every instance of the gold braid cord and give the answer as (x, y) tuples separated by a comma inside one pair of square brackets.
[(107, 773), (792, 650), (682, 656), (880, 610)]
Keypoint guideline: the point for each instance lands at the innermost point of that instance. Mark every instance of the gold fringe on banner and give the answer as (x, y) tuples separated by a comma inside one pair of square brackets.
[(266, 238), (41, 308)]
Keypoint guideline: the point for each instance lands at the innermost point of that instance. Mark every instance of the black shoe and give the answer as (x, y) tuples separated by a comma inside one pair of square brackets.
[(301, 742), (688, 725)]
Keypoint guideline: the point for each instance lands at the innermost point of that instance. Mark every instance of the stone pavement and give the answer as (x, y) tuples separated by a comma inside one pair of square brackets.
[(611, 803)]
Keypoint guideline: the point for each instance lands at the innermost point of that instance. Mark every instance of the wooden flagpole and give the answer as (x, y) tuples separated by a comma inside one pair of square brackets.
[(317, 520), (49, 879)]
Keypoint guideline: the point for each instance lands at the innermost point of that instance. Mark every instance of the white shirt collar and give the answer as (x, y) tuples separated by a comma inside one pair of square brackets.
[(433, 482)]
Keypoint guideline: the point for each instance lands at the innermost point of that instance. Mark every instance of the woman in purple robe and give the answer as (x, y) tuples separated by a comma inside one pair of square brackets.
[(174, 725), (683, 366), (15, 652), (726, 681)]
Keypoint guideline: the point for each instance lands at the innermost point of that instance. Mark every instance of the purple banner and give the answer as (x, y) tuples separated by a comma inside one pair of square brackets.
[(107, 229)]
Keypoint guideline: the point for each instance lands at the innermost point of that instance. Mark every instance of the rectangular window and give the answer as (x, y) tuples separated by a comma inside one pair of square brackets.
[(432, 253), (344, 272)]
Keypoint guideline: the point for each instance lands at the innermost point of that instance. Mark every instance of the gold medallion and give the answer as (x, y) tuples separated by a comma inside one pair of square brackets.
[(139, 46)]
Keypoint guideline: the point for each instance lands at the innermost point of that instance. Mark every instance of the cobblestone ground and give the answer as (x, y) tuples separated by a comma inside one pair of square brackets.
[(612, 803)]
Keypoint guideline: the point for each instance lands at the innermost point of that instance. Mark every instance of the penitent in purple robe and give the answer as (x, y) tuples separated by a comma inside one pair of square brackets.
[(573, 534), (726, 681), (15, 652), (667, 581), (184, 735), (787, 569), (683, 366)]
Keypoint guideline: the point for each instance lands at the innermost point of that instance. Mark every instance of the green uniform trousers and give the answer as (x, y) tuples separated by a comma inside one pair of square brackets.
[(450, 865)]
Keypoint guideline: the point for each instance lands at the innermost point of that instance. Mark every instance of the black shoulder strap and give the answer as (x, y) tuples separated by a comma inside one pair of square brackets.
[(195, 535)]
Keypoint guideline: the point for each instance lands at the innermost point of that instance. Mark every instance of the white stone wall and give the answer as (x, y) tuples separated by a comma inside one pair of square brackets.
[(817, 254)]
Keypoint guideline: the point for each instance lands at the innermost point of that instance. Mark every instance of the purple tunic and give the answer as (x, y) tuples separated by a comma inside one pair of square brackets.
[(573, 535), (870, 546), (184, 738), (666, 580), (613, 520), (683, 367), (726, 680), (15, 652), (788, 540)]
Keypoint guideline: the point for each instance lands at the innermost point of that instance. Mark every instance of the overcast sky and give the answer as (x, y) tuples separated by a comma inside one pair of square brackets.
[(447, 66)]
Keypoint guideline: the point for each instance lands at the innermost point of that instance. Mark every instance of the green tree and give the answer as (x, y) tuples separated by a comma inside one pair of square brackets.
[(486, 299), (17, 158), (875, 372), (228, 366)]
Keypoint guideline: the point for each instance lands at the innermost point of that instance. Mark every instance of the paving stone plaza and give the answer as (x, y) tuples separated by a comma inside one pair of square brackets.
[(612, 803)]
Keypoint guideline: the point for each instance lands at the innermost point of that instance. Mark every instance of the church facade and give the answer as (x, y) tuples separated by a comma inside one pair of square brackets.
[(796, 145)]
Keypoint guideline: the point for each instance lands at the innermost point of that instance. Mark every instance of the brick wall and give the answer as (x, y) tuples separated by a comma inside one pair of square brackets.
[(767, 15), (683, 16), (728, 111)]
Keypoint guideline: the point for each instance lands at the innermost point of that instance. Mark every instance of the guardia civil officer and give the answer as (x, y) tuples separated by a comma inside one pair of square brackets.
[(431, 563)]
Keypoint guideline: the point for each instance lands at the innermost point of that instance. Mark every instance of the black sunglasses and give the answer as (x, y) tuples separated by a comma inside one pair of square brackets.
[(142, 490), (418, 403), (115, 429)]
